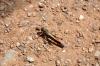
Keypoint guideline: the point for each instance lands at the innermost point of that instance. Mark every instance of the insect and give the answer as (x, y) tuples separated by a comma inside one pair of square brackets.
[(49, 37)]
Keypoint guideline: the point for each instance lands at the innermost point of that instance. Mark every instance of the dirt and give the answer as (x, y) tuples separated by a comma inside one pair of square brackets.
[(74, 23)]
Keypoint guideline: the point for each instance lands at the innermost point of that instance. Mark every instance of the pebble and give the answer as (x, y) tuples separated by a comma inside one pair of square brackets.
[(29, 37), (29, 7), (18, 44), (64, 51), (34, 14), (64, 9), (23, 23), (58, 63), (30, 59), (41, 5), (81, 17), (66, 31), (97, 54), (85, 49), (79, 61), (91, 49), (29, 14), (97, 64)]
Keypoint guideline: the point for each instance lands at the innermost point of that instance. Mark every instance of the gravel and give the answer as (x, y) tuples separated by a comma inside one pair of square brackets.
[(97, 54), (30, 59)]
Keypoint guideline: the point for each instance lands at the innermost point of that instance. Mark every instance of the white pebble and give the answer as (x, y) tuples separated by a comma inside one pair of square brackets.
[(81, 17), (97, 53), (64, 51), (17, 44), (30, 59)]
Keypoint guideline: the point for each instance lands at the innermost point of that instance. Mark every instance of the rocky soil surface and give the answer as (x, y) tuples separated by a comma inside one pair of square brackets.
[(74, 23)]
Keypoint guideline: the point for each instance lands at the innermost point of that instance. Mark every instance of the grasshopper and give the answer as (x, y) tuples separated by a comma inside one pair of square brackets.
[(50, 38)]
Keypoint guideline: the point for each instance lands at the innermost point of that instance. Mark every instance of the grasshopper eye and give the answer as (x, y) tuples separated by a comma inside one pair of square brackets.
[(43, 29)]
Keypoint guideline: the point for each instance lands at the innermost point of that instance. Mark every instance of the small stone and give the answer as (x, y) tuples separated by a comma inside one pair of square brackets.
[(30, 59), (34, 14), (97, 54), (91, 49), (85, 49), (97, 64), (58, 63), (64, 9), (41, 5), (81, 17), (31, 6), (64, 51), (43, 18), (38, 48), (23, 23), (79, 61), (29, 14), (66, 31), (17, 44), (30, 37), (28, 8)]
